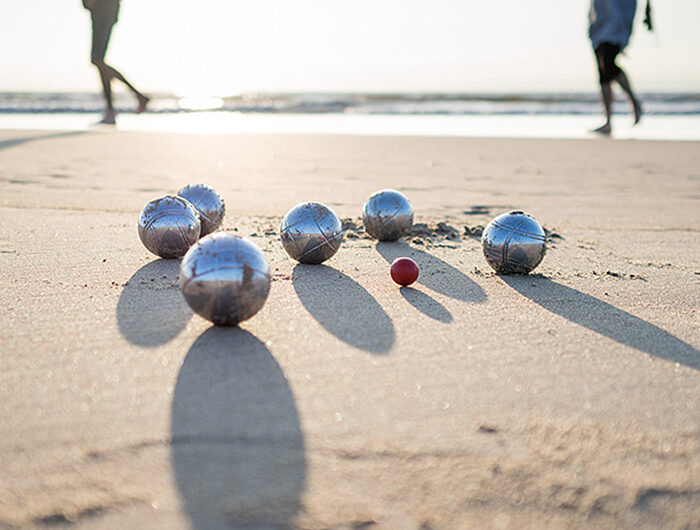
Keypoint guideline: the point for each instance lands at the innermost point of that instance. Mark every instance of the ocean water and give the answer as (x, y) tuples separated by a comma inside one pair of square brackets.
[(667, 116)]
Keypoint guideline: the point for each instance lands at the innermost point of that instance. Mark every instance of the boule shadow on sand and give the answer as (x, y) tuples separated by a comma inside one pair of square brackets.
[(238, 452)]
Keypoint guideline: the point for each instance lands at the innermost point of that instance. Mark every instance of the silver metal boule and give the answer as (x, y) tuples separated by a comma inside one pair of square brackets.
[(208, 203), (513, 243), (311, 232), (225, 278), (387, 215), (169, 226)]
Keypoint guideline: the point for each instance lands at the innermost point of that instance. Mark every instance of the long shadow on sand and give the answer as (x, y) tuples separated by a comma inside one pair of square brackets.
[(426, 304), (151, 309), (237, 448), (343, 307), (12, 142), (603, 318), (435, 274)]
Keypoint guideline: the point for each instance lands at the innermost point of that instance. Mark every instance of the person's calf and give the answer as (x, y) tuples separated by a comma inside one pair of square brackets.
[(624, 83)]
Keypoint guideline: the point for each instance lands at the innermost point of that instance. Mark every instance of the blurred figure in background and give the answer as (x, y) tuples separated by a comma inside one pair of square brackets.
[(104, 14), (610, 27)]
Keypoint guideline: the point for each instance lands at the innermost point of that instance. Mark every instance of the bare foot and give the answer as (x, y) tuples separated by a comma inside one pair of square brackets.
[(110, 118), (603, 129), (143, 103), (637, 107)]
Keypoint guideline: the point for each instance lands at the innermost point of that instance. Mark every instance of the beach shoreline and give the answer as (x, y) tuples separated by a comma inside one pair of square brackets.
[(541, 126)]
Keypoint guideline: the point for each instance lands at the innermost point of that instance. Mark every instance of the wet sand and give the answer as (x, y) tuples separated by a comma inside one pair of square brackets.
[(567, 398)]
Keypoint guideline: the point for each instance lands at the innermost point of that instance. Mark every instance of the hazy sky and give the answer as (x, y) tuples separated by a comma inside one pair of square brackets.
[(221, 47)]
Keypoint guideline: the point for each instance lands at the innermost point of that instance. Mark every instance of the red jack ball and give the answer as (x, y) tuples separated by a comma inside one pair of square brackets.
[(404, 271)]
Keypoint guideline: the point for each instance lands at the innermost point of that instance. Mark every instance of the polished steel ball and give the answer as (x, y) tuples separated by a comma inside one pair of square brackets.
[(225, 278), (513, 243), (208, 203), (311, 232), (169, 226), (387, 215)]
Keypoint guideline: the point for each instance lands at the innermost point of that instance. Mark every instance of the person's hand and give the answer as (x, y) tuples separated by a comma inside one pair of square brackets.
[(647, 17)]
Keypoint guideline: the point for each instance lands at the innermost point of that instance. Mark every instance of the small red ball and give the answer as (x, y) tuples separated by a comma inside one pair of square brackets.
[(404, 271)]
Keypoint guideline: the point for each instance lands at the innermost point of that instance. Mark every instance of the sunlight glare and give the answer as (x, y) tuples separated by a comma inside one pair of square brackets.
[(200, 103)]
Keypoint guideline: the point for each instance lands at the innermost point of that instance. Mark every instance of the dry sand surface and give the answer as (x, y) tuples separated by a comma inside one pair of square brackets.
[(566, 399)]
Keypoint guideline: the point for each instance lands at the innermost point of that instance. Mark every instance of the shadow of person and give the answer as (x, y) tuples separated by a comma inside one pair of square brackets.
[(435, 274), (237, 448), (343, 307), (426, 304), (12, 142), (603, 318), (151, 309)]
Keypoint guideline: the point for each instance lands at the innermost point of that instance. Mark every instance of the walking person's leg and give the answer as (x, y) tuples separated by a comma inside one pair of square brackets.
[(607, 98), (607, 70), (102, 25), (101, 32), (623, 81), (116, 74)]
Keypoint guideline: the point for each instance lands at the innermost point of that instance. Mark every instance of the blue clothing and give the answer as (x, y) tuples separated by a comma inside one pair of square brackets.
[(611, 21)]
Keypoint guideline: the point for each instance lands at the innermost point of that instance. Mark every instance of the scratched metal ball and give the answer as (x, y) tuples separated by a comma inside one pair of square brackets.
[(513, 243), (387, 215), (225, 278), (311, 232), (208, 203), (169, 226)]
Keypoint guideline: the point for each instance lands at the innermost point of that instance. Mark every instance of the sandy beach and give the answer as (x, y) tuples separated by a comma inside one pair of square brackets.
[(565, 399)]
